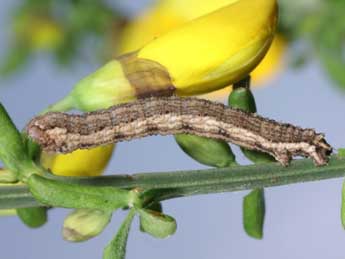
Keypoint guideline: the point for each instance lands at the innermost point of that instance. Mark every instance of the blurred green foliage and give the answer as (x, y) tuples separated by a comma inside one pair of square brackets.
[(75, 30), (68, 30), (319, 27)]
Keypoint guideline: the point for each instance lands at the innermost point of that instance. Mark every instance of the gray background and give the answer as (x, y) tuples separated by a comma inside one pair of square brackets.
[(302, 220)]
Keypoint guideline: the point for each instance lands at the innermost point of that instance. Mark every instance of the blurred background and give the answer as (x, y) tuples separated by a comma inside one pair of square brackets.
[(47, 46)]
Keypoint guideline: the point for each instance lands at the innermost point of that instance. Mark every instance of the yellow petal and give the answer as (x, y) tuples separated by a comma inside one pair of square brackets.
[(83, 162), (217, 49), (163, 16)]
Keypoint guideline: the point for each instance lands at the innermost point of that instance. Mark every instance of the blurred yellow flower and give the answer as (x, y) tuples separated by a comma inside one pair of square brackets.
[(83, 162), (39, 32), (168, 14), (162, 17)]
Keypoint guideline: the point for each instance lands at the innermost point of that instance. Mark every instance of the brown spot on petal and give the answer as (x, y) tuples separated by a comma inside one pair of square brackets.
[(148, 77)]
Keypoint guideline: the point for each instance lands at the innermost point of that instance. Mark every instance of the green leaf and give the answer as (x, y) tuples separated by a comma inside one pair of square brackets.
[(67, 195), (157, 224), (33, 149), (254, 213), (116, 249), (33, 217), (12, 148)]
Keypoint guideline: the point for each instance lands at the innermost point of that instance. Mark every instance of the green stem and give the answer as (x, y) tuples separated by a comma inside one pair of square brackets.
[(16, 196), (170, 185)]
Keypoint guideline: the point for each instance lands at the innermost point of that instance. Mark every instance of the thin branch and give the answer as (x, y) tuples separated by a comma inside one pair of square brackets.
[(170, 185)]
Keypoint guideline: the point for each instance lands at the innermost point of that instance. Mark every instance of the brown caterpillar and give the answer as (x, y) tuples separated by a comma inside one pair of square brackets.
[(60, 132)]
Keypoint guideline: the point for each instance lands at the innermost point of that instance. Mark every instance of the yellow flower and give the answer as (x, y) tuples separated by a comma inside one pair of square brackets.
[(39, 32), (168, 14), (200, 56), (268, 69), (162, 17), (85, 162)]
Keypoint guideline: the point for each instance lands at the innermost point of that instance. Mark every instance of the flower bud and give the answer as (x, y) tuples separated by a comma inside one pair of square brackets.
[(33, 217), (83, 224), (157, 224), (212, 152), (254, 213)]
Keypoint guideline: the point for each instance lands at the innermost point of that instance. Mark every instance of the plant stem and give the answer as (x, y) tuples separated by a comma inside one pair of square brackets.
[(170, 185), (16, 196)]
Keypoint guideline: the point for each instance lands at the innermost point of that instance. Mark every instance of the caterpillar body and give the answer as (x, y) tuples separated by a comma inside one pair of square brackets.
[(63, 133)]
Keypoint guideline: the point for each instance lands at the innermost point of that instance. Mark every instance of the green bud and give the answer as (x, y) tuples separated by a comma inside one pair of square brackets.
[(157, 207), (242, 98), (33, 217), (254, 213), (157, 224), (83, 224), (106, 87), (206, 151)]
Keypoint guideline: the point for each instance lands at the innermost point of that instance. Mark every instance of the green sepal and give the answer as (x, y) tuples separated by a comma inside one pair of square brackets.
[(157, 224), (67, 195), (33, 217), (254, 213), (116, 249), (207, 151), (243, 99), (84, 224)]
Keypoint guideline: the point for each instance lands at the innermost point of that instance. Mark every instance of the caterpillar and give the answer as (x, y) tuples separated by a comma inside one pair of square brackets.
[(63, 133)]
